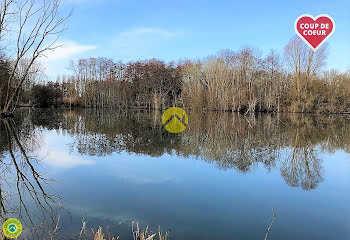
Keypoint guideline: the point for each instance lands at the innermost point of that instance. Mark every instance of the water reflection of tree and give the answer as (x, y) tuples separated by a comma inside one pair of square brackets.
[(234, 141), (22, 182), (302, 168), (99, 133), (224, 139)]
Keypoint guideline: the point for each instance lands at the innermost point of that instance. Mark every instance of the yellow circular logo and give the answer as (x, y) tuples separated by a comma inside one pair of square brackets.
[(12, 228), (175, 120)]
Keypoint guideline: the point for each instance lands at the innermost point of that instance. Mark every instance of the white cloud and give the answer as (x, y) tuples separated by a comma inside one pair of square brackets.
[(138, 42), (53, 152), (143, 32), (56, 62), (65, 160), (67, 50), (127, 45)]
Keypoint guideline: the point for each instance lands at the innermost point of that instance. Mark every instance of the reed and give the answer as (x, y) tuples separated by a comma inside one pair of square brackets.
[(146, 235), (137, 234)]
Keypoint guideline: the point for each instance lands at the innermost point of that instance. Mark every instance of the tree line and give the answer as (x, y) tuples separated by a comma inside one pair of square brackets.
[(242, 81), (239, 81)]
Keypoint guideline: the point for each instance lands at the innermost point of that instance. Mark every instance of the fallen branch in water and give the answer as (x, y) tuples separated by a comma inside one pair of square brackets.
[(269, 228)]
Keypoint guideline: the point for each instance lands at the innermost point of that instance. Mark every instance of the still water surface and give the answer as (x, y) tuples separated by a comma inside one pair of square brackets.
[(220, 179)]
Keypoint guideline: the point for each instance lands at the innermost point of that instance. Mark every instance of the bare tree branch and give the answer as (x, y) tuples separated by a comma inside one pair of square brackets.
[(269, 228), (36, 43)]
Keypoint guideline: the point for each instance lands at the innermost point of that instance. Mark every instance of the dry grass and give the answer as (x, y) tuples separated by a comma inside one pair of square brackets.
[(137, 234), (99, 235), (145, 235)]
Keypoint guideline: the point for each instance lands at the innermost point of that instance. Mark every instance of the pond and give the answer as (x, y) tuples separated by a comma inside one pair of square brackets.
[(219, 179)]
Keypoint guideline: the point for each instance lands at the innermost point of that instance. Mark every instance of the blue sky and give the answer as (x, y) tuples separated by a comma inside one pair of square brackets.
[(130, 30)]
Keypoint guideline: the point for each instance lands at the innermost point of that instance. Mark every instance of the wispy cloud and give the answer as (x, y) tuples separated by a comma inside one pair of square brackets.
[(127, 45), (67, 50), (65, 160), (144, 32), (56, 61), (138, 42)]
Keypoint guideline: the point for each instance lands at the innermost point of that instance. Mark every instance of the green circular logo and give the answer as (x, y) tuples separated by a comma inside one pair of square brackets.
[(12, 228)]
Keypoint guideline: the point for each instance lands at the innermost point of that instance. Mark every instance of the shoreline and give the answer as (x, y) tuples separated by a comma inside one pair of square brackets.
[(187, 109)]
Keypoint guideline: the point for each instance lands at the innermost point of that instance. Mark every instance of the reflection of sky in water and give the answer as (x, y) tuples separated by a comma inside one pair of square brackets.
[(196, 198)]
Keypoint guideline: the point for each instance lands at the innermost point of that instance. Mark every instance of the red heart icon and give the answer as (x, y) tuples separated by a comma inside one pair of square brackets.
[(314, 30)]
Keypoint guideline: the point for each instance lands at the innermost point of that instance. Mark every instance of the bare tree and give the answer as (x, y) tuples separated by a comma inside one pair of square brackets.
[(5, 14), (304, 63), (272, 81), (45, 26)]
